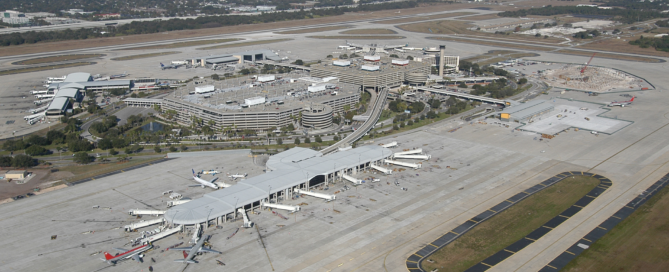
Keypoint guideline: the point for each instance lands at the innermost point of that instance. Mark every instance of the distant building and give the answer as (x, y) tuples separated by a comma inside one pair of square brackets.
[(109, 16), (526, 111), (16, 174), (76, 11), (14, 18), (265, 8)]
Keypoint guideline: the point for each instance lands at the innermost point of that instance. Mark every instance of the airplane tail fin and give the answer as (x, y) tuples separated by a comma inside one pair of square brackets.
[(162, 65), (193, 172), (632, 98), (185, 254), (108, 256)]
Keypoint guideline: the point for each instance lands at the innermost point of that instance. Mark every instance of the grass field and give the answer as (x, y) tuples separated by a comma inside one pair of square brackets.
[(638, 243), (43, 68), (312, 30), (182, 44), (438, 27), (57, 59), (372, 31), (232, 45), (143, 56), (423, 18), (346, 37), (510, 225), (91, 170)]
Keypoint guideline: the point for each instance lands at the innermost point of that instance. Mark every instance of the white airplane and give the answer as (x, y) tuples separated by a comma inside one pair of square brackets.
[(237, 176), (210, 172), (621, 103), (203, 182), (126, 254), (194, 250)]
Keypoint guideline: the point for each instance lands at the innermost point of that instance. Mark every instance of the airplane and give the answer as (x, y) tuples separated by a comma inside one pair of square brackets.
[(126, 254), (237, 176), (621, 103), (204, 182), (210, 172), (192, 251), (171, 66), (119, 76)]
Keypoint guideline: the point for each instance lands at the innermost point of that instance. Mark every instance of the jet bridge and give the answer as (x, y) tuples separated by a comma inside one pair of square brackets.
[(281, 207), (407, 164), (142, 224), (352, 179), (382, 170), (416, 157), (145, 212), (164, 232), (415, 151), (247, 223), (389, 145), (318, 195)]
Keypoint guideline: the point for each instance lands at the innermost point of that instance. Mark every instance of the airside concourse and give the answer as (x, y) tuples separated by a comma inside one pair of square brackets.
[(297, 168)]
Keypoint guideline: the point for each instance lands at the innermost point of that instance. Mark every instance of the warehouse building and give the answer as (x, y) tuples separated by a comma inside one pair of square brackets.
[(235, 58), (526, 111)]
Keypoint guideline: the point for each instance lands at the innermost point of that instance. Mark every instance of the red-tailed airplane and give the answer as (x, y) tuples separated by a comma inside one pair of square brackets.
[(621, 103), (126, 254)]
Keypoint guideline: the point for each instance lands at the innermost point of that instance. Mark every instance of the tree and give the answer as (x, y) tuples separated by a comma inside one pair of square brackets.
[(127, 150), (37, 140), (522, 81), (394, 56), (395, 127), (105, 144), (297, 141), (336, 138), (307, 140), (112, 152), (409, 57), (5, 161), (184, 147), (434, 103), (298, 62), (11, 145), (55, 137), (23, 161), (409, 123), (343, 56), (36, 150), (318, 139), (279, 141), (462, 85), (157, 149), (83, 158), (215, 77), (329, 56), (416, 107), (173, 149)]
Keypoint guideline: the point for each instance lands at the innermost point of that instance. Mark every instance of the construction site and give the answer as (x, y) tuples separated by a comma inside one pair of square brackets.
[(591, 79)]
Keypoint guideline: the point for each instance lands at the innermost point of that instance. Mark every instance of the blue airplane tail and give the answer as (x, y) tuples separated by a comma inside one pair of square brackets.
[(193, 172), (162, 65)]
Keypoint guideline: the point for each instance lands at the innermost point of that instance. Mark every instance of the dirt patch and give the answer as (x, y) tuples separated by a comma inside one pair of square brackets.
[(344, 37), (423, 18), (232, 45), (313, 30), (510, 225), (182, 44), (57, 59), (373, 31), (123, 40), (143, 56), (610, 56), (492, 43), (43, 68)]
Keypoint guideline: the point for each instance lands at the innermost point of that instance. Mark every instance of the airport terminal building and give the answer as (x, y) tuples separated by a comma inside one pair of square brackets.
[(296, 168)]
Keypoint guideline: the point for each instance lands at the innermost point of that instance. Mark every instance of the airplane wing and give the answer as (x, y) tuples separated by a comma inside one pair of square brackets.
[(212, 181), (136, 257), (121, 249), (209, 250), (181, 248), (196, 185)]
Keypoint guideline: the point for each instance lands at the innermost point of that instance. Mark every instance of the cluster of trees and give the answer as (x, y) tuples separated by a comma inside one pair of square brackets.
[(401, 106), (454, 106), (660, 44), (497, 89), (662, 23), (477, 70), (587, 34), (35, 144), (157, 26), (631, 11), (17, 161), (104, 125)]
